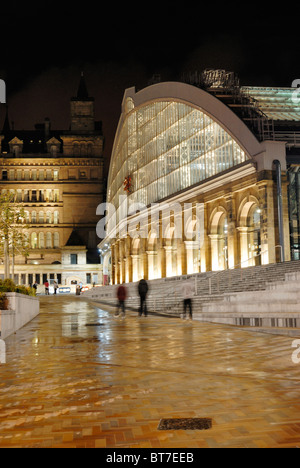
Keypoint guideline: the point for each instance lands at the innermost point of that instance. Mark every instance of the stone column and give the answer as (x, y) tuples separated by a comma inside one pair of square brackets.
[(232, 233), (214, 239), (243, 233), (268, 239), (169, 263), (205, 247)]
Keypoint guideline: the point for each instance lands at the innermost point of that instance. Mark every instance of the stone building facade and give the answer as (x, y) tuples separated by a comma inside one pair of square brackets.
[(57, 176), (192, 188)]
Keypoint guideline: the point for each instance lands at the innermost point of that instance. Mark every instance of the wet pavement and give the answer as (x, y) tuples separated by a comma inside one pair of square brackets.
[(76, 376)]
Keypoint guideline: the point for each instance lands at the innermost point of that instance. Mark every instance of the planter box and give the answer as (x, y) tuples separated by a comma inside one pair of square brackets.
[(22, 310)]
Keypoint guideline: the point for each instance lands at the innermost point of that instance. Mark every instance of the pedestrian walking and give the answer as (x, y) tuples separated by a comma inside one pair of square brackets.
[(143, 291), (121, 295), (187, 293), (46, 284), (35, 287), (55, 287)]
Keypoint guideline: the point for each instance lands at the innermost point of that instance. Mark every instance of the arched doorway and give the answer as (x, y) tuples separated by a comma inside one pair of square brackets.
[(137, 261), (171, 251), (250, 233), (219, 239), (192, 247)]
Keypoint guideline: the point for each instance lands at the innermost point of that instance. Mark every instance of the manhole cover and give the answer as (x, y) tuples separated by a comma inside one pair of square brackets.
[(94, 324), (62, 347), (196, 424)]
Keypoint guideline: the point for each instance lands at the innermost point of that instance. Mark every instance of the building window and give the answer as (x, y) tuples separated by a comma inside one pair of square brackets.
[(56, 240), (49, 217), (34, 240), (74, 259), (19, 196), (41, 240), (26, 213), (56, 217), (49, 240), (4, 175), (41, 217), (56, 196)]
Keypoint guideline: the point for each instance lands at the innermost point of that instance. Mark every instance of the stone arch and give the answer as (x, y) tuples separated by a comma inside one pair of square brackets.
[(219, 238), (249, 227)]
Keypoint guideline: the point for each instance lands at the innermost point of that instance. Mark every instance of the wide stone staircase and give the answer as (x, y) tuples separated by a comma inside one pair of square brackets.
[(265, 297)]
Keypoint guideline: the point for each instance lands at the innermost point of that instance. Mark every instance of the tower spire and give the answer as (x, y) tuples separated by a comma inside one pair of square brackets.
[(82, 92)]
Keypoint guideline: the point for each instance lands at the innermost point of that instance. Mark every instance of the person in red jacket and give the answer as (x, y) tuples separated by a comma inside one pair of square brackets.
[(121, 295)]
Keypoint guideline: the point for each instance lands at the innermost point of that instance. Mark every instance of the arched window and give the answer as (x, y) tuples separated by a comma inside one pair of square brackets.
[(33, 217), (41, 240), (34, 240), (26, 219), (56, 240), (49, 217), (56, 217), (49, 240), (41, 217)]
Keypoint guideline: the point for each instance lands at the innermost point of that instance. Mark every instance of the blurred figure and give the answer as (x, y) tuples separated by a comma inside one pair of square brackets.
[(46, 284), (35, 287), (55, 287), (121, 295), (188, 291), (143, 290)]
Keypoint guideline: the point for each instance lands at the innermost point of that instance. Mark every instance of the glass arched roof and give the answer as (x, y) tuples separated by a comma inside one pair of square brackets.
[(167, 146)]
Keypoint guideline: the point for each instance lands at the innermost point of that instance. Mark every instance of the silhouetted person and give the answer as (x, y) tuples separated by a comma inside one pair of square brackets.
[(187, 292), (121, 295), (143, 290)]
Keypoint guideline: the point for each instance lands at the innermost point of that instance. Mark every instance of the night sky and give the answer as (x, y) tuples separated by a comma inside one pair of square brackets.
[(45, 46)]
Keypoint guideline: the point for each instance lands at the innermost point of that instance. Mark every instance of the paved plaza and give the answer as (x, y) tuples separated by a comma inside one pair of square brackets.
[(76, 376)]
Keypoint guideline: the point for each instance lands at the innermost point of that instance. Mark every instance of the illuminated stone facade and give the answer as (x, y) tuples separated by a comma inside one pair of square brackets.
[(177, 144), (57, 176)]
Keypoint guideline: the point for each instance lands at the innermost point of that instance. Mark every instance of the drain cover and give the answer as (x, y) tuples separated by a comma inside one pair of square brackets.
[(94, 324), (195, 424)]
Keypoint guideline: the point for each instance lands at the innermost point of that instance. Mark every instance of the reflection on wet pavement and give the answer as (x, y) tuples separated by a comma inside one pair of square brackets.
[(78, 377)]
